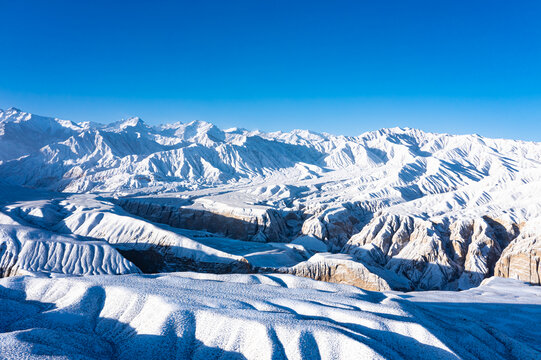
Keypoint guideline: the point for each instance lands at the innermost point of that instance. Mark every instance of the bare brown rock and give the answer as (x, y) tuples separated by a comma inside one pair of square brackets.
[(342, 269), (521, 260), (442, 255), (262, 225)]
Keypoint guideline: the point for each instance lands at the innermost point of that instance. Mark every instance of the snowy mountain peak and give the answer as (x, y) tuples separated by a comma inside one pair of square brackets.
[(200, 131), (13, 114), (236, 130), (387, 166), (132, 123)]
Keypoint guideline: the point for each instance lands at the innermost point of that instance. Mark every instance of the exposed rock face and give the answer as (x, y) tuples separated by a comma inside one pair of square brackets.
[(521, 260), (487, 241), (161, 259), (336, 224), (333, 225), (433, 255), (425, 254), (343, 269), (262, 225), (383, 237)]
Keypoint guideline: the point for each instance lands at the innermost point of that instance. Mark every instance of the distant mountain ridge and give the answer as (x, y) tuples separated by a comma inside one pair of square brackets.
[(129, 154)]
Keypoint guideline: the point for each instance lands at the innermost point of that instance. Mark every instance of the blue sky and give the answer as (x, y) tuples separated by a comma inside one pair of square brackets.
[(337, 66)]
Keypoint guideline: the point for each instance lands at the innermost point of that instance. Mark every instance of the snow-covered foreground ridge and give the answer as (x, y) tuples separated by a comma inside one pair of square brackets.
[(403, 209), (203, 316)]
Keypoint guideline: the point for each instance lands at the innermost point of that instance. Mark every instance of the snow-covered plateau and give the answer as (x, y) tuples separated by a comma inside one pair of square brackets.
[(394, 210)]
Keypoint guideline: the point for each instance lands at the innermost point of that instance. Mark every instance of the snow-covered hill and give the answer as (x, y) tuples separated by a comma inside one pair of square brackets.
[(423, 210), (206, 316)]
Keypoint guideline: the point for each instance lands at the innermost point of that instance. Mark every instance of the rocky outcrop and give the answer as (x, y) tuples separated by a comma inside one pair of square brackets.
[(433, 255), (336, 224), (487, 241), (343, 269), (381, 239), (260, 225), (521, 260)]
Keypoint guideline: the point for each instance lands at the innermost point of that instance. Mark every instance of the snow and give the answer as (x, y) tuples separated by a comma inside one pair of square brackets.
[(201, 316), (86, 208), (311, 243), (81, 233), (404, 171), (404, 188), (29, 250), (407, 171)]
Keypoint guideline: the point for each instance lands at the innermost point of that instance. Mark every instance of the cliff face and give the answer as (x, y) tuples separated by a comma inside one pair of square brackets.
[(259, 225), (431, 255), (343, 269), (336, 224), (521, 260), (423, 254)]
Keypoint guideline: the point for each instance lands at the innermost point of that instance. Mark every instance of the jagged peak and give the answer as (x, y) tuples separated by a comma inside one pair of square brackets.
[(305, 132), (400, 130), (134, 121), (9, 112), (131, 122), (197, 129), (14, 113)]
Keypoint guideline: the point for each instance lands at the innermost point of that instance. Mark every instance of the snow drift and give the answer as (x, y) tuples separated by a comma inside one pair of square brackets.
[(202, 316)]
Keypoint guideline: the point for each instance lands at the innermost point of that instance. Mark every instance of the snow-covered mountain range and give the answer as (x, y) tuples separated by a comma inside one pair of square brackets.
[(389, 209)]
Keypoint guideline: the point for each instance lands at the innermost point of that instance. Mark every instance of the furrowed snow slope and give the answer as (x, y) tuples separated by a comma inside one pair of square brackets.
[(202, 316), (25, 249)]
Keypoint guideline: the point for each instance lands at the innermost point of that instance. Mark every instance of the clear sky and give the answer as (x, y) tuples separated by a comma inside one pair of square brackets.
[(338, 66)]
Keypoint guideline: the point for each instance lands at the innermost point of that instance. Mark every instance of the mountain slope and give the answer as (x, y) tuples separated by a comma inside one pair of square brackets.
[(437, 210)]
